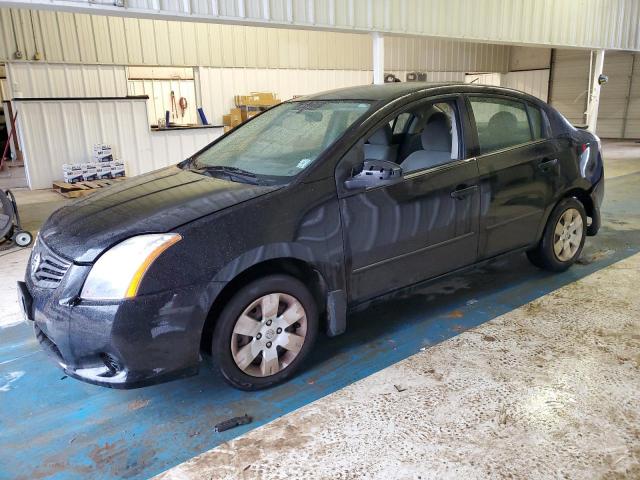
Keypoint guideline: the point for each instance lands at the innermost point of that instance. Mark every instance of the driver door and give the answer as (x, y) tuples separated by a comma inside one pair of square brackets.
[(422, 226)]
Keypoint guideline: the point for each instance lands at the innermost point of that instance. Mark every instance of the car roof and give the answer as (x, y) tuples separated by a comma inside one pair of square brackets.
[(390, 91)]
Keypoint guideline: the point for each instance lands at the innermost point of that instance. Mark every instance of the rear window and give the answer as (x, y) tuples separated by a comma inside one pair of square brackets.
[(501, 123)]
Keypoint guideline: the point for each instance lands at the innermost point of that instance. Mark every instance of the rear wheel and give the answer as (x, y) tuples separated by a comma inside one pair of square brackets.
[(563, 237), (265, 331)]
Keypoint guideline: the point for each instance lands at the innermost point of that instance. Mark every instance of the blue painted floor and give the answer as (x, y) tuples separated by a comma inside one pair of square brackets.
[(55, 427)]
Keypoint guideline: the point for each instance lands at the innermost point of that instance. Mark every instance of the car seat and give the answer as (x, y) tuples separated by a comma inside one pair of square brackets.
[(436, 146), (502, 130), (379, 146)]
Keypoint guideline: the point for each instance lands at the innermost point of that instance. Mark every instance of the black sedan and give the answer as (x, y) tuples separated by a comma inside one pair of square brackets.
[(318, 206)]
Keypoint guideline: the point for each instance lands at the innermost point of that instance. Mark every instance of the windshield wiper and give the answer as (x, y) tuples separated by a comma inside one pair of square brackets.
[(230, 171)]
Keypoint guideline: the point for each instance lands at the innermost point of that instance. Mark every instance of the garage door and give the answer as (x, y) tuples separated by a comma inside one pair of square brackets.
[(614, 96), (570, 83), (632, 127), (619, 110)]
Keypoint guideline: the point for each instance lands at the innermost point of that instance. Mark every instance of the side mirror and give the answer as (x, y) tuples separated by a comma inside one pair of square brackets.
[(374, 173)]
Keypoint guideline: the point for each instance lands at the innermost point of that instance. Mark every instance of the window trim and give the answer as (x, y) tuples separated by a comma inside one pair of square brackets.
[(544, 131), (472, 119)]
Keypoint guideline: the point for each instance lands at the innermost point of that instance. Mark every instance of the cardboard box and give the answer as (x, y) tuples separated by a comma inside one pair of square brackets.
[(104, 171), (226, 119), (105, 159), (73, 176), (236, 117), (89, 174), (117, 169), (257, 99), (227, 128), (101, 150)]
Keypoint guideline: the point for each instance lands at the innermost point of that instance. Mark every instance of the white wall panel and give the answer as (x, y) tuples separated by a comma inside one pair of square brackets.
[(570, 23), (81, 38), (219, 85), (432, 77), (484, 79), (428, 54), (533, 82), (64, 80), (529, 58), (54, 132)]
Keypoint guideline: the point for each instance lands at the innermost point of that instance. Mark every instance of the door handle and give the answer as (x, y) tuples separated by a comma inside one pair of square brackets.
[(463, 191), (546, 164)]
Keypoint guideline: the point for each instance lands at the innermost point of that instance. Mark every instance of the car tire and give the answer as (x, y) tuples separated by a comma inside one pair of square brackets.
[(563, 237), (283, 310)]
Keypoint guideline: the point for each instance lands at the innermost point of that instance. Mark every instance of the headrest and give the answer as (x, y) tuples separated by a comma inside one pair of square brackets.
[(438, 117), (436, 136), (503, 121), (382, 136)]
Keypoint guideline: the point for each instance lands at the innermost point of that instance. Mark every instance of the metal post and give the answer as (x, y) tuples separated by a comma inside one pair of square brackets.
[(594, 95), (378, 58)]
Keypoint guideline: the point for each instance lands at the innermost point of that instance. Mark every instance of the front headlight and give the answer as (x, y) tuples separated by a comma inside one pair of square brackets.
[(118, 272)]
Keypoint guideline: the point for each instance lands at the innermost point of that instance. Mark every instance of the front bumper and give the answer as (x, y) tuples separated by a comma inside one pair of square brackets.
[(126, 344)]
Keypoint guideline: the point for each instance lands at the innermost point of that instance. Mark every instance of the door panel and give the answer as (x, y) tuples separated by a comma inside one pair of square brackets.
[(516, 187), (413, 230)]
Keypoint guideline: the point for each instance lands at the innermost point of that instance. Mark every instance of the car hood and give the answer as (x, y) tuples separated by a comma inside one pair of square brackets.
[(155, 202)]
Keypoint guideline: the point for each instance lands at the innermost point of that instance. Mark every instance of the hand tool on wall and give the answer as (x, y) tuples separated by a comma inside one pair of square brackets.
[(174, 108), (183, 105)]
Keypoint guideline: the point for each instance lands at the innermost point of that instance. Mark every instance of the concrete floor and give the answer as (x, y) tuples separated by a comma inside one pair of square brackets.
[(549, 390), (506, 371)]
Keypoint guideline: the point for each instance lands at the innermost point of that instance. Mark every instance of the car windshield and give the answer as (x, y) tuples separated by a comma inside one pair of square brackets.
[(281, 142)]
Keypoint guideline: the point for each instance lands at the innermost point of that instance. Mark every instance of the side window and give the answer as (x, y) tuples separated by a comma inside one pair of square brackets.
[(537, 122), (432, 137), (501, 123)]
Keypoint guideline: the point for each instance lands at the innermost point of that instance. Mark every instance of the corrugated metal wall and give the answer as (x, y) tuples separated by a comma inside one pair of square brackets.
[(615, 95), (63, 80), (632, 129), (81, 38), (570, 83), (576, 23), (431, 76), (88, 39), (534, 82), (54, 132), (219, 85), (619, 109), (438, 55)]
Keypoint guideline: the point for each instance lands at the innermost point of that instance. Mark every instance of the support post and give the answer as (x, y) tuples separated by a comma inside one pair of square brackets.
[(378, 58), (594, 94)]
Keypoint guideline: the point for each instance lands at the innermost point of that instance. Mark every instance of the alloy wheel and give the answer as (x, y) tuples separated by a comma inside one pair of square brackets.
[(269, 334)]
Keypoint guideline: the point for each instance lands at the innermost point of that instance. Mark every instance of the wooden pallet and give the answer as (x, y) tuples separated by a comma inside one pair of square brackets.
[(80, 189)]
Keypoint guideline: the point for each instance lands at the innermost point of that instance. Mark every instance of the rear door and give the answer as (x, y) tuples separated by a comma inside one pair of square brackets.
[(518, 167)]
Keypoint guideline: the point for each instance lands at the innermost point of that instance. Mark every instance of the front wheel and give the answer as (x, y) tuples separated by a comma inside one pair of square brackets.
[(563, 237), (264, 332)]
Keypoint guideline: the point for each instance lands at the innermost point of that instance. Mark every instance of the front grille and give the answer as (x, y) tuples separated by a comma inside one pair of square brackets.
[(47, 268)]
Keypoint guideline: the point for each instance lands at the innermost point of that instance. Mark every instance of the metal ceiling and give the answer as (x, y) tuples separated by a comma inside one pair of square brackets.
[(611, 24)]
